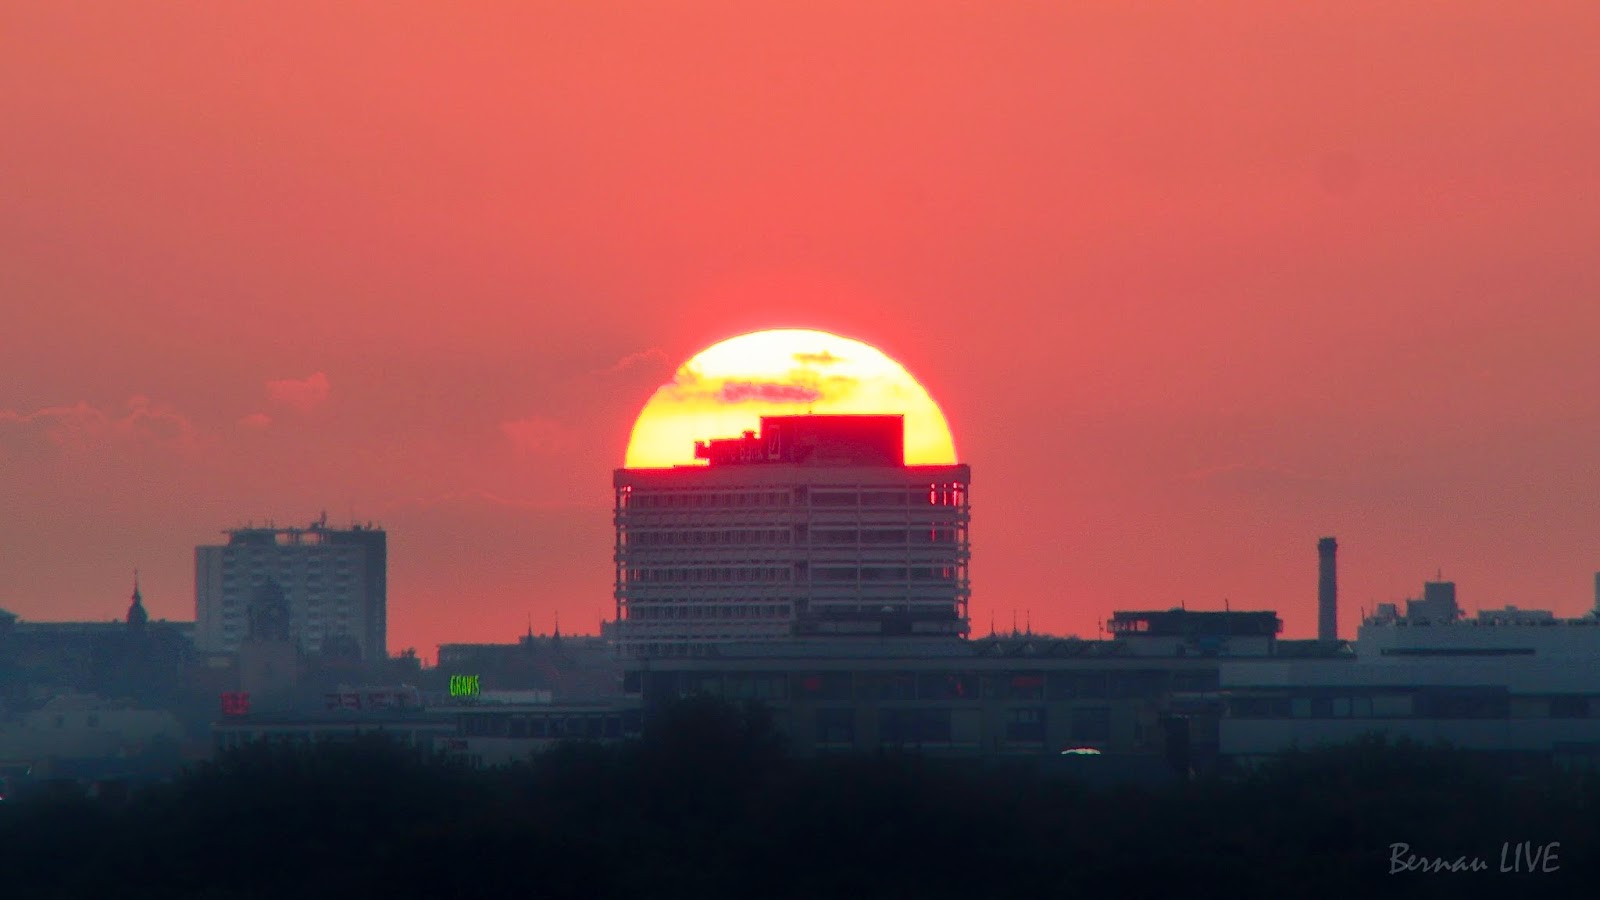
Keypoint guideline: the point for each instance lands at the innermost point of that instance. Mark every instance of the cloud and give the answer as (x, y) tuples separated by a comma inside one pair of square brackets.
[(303, 395), (537, 434), (766, 392), (255, 422), (817, 359), (50, 428), (157, 423), (83, 427), (653, 360)]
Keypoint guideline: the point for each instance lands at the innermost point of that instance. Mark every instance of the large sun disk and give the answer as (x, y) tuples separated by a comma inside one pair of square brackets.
[(726, 389)]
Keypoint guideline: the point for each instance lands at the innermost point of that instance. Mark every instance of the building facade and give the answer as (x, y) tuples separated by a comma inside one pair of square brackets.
[(334, 583), (1137, 697), (814, 527), (1520, 684), (487, 729)]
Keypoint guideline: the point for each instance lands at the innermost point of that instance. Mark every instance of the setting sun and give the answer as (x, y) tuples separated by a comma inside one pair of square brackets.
[(726, 389)]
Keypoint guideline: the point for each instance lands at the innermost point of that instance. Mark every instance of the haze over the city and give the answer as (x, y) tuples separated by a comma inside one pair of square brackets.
[(1192, 288)]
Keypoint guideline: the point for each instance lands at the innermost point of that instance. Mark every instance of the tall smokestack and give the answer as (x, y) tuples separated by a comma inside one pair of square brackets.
[(1327, 591)]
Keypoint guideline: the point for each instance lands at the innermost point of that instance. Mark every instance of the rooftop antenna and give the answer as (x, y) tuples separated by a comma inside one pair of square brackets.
[(1030, 623), (1225, 607), (991, 623), (1013, 623)]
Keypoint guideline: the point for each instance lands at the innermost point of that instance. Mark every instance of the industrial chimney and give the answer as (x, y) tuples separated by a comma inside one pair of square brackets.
[(1327, 591)]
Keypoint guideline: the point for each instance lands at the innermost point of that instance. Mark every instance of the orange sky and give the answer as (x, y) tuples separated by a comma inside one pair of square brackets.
[(1194, 284)]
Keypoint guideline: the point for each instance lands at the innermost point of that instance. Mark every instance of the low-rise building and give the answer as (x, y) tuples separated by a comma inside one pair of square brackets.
[(83, 733), (1515, 683), (1144, 693)]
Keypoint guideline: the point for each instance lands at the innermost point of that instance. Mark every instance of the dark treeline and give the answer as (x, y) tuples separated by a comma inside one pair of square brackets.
[(709, 806)]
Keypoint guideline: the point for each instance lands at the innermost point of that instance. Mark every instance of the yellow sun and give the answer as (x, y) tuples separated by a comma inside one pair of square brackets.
[(726, 389)]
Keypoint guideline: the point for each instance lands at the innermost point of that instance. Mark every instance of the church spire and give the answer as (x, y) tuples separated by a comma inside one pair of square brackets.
[(137, 617)]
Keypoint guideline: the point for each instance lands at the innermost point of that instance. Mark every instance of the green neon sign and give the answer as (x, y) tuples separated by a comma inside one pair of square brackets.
[(464, 686)]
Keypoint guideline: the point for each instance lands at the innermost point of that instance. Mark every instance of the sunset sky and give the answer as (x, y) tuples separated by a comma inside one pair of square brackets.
[(1194, 284)]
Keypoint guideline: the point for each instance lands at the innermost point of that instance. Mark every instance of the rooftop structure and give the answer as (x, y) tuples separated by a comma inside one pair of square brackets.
[(815, 440), (1178, 632)]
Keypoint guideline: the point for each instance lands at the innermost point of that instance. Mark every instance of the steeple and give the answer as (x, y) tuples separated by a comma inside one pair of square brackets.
[(137, 617)]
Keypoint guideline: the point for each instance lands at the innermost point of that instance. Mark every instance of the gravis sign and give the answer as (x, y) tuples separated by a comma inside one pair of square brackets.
[(464, 686)]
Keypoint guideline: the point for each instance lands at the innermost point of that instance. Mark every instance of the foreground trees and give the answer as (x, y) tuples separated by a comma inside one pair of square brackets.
[(708, 806)]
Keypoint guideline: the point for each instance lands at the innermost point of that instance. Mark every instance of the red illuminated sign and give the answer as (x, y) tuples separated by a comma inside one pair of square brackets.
[(236, 703)]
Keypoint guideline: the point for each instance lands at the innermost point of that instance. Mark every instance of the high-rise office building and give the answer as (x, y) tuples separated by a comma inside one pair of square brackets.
[(813, 527), (334, 582)]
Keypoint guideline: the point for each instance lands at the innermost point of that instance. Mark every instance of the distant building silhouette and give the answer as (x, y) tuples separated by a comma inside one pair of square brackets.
[(269, 658), (570, 667), (137, 616), (812, 527), (269, 612), (333, 582)]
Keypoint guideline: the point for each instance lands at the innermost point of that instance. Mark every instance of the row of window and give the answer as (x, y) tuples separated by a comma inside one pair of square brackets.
[(932, 495), (783, 574), (720, 575), (826, 608), (708, 538), (918, 727), (231, 738), (672, 649), (883, 573), (915, 497), (881, 686), (239, 607), (703, 500), (580, 726), (1423, 704), (313, 566), (657, 612), (822, 537), (829, 537), (340, 581)]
